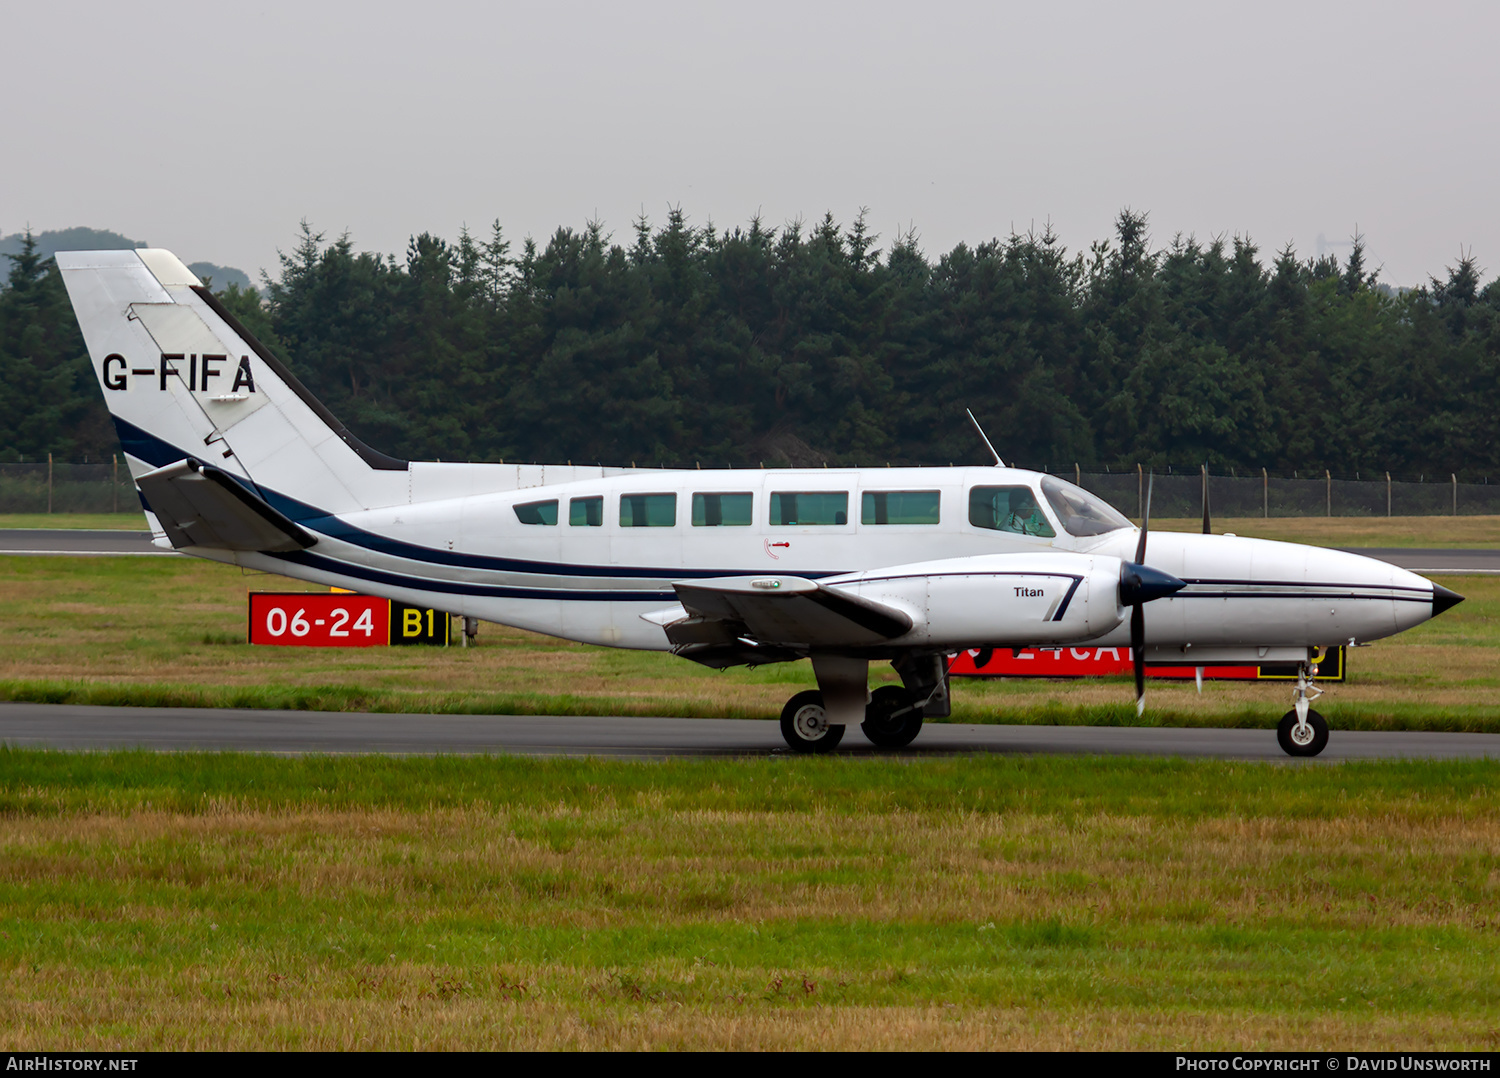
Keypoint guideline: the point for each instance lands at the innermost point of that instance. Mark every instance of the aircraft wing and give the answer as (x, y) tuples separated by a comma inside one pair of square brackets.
[(777, 614), (199, 505)]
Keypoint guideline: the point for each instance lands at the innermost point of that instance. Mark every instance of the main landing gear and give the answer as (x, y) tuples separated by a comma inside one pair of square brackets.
[(890, 717), (805, 725), (1302, 731), (892, 721)]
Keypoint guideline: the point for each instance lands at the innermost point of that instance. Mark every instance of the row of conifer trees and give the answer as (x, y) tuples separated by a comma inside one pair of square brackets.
[(680, 344)]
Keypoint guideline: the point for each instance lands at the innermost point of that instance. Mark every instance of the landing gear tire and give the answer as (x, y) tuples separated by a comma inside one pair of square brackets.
[(891, 721), (1307, 741), (805, 725)]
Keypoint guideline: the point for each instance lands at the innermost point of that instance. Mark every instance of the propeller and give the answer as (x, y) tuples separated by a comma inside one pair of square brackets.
[(1139, 585)]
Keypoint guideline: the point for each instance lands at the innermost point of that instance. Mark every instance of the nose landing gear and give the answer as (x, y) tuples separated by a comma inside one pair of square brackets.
[(1302, 731)]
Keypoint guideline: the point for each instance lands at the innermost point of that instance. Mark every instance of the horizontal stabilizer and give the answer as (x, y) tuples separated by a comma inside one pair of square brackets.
[(781, 611), (199, 505)]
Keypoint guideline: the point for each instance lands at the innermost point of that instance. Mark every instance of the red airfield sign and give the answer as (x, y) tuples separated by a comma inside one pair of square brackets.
[(310, 619)]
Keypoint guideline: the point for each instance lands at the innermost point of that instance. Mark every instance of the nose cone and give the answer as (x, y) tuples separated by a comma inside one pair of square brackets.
[(1443, 599), (1141, 584)]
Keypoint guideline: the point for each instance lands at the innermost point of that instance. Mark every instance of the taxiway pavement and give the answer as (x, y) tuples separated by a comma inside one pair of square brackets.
[(293, 732), (78, 542)]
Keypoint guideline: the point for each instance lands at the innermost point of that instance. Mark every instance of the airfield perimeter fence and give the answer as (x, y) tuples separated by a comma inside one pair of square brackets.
[(1181, 495), (62, 487)]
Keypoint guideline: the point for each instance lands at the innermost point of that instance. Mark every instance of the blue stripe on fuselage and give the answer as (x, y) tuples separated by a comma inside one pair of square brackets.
[(462, 587), (151, 449)]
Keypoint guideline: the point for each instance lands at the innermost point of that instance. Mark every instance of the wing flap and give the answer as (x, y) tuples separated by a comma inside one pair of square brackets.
[(199, 505), (781, 611)]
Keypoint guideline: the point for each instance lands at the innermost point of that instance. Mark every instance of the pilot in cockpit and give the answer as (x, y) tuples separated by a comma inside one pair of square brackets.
[(1026, 516)]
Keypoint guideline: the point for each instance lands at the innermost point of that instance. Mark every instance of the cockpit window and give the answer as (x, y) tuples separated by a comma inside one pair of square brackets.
[(1008, 509), (1081, 513)]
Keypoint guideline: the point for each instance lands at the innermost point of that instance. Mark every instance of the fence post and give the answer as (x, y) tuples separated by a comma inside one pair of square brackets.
[(1387, 493), (1077, 475), (1265, 494), (1453, 476), (1140, 493), (49, 482), (115, 486), (1205, 499), (1328, 477)]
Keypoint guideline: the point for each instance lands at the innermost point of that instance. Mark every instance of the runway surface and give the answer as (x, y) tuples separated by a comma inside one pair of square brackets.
[(78, 542), (85, 543), (291, 732)]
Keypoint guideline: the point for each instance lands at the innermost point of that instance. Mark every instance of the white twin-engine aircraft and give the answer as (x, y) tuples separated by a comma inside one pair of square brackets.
[(237, 462)]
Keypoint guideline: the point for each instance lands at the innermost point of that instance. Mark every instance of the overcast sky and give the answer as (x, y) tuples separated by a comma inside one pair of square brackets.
[(212, 129)]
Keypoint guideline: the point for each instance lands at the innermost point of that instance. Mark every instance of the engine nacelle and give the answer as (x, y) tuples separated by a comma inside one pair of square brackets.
[(998, 599)]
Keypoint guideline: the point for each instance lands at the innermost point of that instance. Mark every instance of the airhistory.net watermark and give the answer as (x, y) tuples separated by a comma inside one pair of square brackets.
[(69, 1063)]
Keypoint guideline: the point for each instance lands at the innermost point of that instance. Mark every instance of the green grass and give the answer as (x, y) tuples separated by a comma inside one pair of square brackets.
[(40, 783), (230, 901), (133, 521)]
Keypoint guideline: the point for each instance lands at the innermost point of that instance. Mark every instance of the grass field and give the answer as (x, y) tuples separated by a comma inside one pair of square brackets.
[(171, 632), (221, 901), (130, 522)]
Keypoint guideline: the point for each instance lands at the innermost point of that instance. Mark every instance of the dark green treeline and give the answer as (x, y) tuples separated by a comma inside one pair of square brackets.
[(799, 345)]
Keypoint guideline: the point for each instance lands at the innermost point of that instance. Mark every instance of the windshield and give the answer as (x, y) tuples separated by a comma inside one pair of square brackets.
[(1081, 512)]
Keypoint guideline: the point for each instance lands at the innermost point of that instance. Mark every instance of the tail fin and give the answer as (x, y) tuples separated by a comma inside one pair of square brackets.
[(183, 379)]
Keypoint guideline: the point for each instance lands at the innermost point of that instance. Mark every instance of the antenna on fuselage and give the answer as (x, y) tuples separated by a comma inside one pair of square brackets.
[(998, 462)]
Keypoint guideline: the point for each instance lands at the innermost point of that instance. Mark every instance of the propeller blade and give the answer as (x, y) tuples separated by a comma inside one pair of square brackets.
[(1205, 500), (1138, 655), (1140, 549), (1138, 586)]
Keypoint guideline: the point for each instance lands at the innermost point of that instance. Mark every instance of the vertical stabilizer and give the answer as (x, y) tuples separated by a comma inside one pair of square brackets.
[(183, 379)]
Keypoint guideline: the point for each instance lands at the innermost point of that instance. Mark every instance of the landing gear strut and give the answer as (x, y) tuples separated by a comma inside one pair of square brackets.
[(1302, 731)]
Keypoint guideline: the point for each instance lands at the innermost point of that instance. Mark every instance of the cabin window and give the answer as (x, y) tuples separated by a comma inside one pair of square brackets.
[(537, 512), (811, 508), (899, 507), (648, 510), (1008, 509), (586, 512), (721, 510), (1082, 513)]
